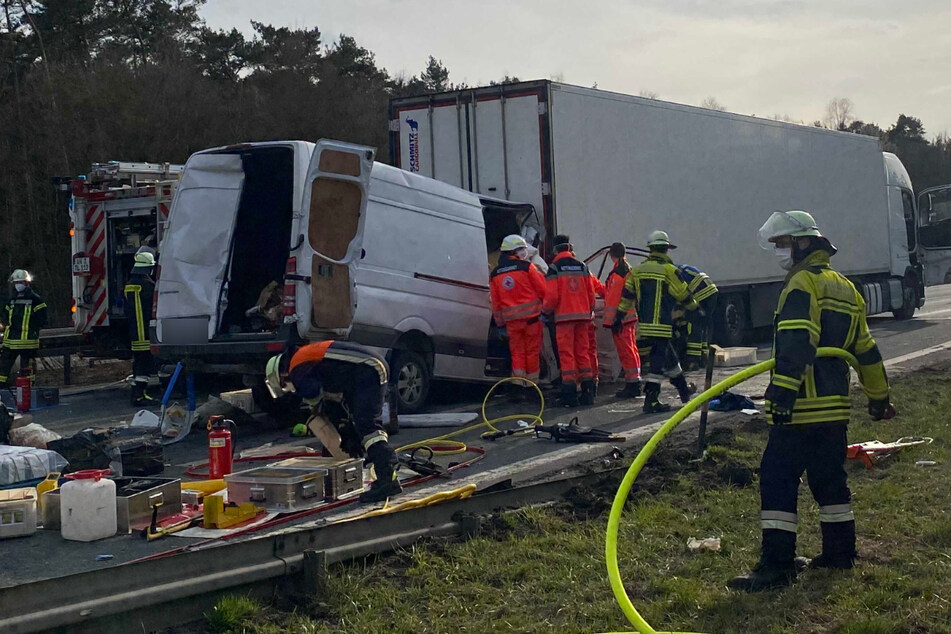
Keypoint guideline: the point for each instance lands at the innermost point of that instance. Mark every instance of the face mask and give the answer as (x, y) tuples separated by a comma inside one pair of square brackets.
[(20, 287), (784, 256), (521, 253)]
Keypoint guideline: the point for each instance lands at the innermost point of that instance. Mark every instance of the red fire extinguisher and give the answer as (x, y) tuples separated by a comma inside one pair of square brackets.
[(23, 393), (220, 447)]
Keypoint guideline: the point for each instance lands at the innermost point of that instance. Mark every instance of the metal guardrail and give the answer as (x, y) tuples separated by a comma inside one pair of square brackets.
[(154, 595)]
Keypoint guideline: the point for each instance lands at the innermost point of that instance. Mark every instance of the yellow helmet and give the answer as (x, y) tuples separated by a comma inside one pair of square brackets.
[(272, 378)]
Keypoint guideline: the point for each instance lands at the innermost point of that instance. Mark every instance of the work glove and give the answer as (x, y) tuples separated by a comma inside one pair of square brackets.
[(881, 409), (781, 402), (618, 324), (781, 416)]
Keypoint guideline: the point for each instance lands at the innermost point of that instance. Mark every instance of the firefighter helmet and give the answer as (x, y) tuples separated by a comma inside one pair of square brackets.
[(144, 259), (22, 276), (660, 239), (276, 385), (796, 224), (513, 242)]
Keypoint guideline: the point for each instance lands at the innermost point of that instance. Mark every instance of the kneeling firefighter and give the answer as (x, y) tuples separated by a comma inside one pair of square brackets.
[(325, 367), (808, 402)]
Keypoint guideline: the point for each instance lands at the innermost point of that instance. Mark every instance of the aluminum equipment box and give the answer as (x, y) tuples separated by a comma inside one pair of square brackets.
[(297, 483), (135, 498)]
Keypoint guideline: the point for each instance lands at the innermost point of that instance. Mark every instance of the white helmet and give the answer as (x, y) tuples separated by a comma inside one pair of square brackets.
[(21, 275), (513, 242), (787, 223), (660, 239), (272, 378), (144, 259)]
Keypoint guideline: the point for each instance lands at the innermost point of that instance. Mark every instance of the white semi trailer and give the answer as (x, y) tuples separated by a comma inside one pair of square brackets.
[(604, 167)]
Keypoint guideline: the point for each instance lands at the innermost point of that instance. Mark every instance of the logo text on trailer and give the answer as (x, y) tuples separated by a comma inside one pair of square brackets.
[(413, 145)]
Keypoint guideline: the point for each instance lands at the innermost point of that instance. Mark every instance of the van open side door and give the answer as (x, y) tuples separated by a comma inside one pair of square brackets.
[(934, 234), (335, 199), (194, 257)]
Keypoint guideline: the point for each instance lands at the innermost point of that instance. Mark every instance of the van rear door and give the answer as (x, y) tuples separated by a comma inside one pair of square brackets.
[(195, 252), (335, 201)]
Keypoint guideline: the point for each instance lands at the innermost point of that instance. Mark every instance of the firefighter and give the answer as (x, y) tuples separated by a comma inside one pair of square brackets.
[(361, 377), (704, 291), (808, 402), (517, 290), (569, 297), (138, 294), (625, 341), (20, 321), (653, 289)]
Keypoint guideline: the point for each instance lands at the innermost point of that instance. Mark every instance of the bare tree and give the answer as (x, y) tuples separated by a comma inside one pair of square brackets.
[(649, 94), (711, 103), (839, 113)]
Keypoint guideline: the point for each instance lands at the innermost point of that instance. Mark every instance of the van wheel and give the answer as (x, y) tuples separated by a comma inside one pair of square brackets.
[(731, 322), (909, 300), (281, 407), (411, 380)]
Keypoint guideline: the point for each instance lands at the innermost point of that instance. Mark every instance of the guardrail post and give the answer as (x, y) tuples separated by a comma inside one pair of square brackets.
[(315, 572)]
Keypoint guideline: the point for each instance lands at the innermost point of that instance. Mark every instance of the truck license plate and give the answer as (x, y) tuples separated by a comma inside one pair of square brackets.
[(81, 265)]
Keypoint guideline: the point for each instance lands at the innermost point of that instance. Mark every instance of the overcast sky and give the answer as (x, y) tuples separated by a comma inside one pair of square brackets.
[(762, 57)]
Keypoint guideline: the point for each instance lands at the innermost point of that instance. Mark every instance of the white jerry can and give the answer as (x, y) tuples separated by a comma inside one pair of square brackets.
[(88, 506)]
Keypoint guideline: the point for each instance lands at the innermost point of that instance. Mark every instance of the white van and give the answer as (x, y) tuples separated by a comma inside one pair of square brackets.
[(362, 251)]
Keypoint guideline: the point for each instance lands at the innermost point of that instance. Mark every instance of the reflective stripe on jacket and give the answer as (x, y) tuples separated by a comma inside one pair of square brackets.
[(820, 307), (698, 283), (612, 295), (23, 316), (570, 289), (516, 289), (654, 288)]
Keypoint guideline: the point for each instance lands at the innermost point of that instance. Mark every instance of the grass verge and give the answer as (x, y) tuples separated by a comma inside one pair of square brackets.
[(543, 570)]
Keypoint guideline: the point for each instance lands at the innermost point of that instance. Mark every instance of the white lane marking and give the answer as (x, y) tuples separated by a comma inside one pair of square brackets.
[(919, 353)]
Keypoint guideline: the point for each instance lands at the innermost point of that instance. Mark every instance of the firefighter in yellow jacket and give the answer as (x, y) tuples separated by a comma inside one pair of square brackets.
[(808, 402), (653, 288), (20, 321)]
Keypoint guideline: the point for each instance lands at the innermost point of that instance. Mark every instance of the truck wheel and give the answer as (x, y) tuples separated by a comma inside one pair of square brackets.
[(731, 323), (909, 296), (411, 380), (281, 407)]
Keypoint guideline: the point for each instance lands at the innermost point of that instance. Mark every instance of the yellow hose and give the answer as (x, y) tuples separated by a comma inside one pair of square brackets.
[(614, 519), (460, 447)]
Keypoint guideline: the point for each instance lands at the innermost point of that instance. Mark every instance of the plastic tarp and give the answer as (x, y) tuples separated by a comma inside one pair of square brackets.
[(22, 464), (195, 252)]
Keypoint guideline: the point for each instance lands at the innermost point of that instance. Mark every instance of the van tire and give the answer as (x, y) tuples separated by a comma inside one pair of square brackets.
[(411, 379), (281, 407), (732, 321)]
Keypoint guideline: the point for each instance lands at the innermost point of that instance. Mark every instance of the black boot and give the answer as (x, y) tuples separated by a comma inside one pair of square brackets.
[(569, 395), (587, 393), (838, 546), (684, 389), (631, 389), (777, 565), (140, 396), (651, 403), (765, 576), (386, 485)]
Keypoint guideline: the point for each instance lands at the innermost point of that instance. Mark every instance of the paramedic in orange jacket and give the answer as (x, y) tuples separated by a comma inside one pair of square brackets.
[(599, 290), (517, 289), (625, 341), (570, 297)]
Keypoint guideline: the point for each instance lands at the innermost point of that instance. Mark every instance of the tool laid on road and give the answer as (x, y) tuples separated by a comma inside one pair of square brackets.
[(573, 432), (423, 465), (873, 451), (218, 514)]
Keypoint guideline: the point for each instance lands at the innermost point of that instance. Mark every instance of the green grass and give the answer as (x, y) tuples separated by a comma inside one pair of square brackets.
[(543, 570)]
